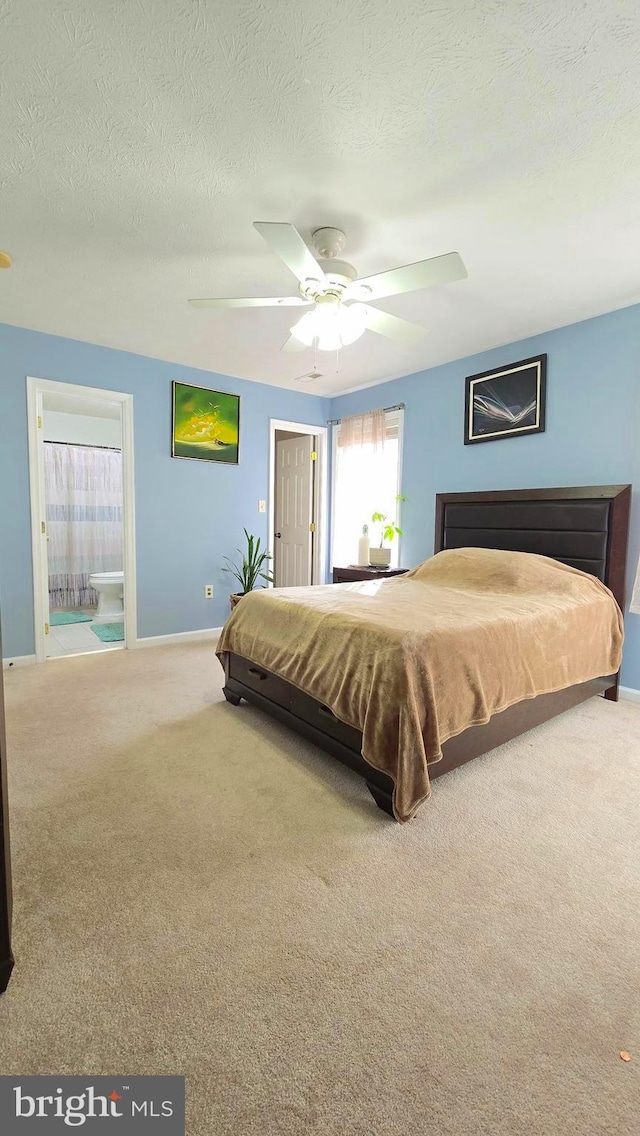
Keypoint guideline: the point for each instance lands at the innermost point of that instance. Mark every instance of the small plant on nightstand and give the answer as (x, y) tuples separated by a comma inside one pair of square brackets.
[(381, 556), (251, 569)]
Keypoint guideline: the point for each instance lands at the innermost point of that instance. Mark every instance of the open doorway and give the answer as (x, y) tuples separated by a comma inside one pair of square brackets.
[(297, 503), (81, 466)]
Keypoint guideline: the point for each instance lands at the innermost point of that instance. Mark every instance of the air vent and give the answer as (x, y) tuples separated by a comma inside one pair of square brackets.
[(310, 377)]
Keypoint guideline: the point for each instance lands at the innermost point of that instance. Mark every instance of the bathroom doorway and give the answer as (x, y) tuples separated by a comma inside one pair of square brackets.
[(81, 466)]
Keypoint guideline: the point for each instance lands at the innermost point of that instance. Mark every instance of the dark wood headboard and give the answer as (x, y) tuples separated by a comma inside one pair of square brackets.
[(586, 526)]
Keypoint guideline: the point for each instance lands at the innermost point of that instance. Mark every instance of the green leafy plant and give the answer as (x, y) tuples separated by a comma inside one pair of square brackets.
[(389, 527), (251, 568)]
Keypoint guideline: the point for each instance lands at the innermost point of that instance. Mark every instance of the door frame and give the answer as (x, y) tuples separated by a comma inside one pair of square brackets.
[(36, 388), (321, 433), (6, 954)]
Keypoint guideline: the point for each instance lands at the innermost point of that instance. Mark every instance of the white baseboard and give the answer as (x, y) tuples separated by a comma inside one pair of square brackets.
[(18, 661), (179, 637), (148, 641), (629, 694)]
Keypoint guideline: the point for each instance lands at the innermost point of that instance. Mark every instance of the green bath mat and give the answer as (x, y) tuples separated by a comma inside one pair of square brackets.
[(109, 632), (61, 618)]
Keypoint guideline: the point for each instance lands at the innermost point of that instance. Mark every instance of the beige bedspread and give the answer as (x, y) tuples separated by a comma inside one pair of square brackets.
[(413, 660)]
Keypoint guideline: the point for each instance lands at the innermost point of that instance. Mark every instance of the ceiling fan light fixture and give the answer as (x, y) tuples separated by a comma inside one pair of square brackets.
[(331, 326), (304, 329), (329, 342), (352, 321)]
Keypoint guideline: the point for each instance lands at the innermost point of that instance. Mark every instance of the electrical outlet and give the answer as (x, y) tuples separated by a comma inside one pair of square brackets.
[(208, 591), (262, 506)]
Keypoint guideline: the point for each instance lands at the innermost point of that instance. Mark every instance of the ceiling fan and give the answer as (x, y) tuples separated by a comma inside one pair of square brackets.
[(339, 309)]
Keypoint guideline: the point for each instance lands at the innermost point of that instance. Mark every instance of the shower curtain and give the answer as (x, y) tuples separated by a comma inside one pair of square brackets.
[(84, 519)]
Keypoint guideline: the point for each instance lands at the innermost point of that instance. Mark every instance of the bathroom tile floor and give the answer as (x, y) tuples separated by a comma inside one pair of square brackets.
[(76, 639)]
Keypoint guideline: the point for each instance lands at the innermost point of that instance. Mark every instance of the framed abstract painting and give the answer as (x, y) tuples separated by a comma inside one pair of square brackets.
[(506, 402), (205, 424)]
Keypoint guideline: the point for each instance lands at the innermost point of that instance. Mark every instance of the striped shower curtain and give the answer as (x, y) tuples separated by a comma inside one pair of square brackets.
[(83, 487)]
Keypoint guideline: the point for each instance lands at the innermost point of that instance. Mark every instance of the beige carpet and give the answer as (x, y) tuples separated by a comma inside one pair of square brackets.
[(199, 892)]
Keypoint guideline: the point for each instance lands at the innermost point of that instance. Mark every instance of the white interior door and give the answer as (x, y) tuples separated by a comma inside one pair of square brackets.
[(294, 512)]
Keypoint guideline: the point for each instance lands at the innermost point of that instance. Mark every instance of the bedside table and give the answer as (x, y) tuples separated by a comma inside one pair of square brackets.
[(353, 572)]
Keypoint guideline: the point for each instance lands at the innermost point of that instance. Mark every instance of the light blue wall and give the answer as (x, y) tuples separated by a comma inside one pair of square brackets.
[(592, 432), (188, 513)]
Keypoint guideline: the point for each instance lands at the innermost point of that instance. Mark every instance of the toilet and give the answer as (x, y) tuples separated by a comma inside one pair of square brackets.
[(110, 589)]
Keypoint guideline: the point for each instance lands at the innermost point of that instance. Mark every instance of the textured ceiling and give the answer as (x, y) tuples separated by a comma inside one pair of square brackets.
[(140, 138)]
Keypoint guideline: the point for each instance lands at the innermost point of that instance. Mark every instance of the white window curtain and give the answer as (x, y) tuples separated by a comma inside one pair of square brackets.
[(366, 477), (83, 487), (635, 599)]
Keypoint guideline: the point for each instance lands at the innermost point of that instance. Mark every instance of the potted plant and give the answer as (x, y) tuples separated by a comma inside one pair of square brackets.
[(250, 570), (381, 557)]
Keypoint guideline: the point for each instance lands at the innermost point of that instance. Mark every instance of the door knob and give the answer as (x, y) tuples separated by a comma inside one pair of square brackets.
[(279, 536)]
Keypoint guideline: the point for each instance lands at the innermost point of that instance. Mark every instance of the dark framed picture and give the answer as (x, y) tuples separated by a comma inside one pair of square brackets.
[(205, 424), (506, 402)]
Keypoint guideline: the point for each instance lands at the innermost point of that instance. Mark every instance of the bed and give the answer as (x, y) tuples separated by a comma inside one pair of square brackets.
[(583, 528)]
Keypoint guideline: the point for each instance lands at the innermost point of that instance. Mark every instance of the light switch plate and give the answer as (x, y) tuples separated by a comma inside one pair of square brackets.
[(262, 506)]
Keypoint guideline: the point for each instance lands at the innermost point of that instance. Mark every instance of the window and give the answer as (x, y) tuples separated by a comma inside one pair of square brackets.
[(366, 480)]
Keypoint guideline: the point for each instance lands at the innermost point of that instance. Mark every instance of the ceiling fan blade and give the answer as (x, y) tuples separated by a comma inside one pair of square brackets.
[(392, 327), (285, 240), (252, 302), (438, 270), (293, 344)]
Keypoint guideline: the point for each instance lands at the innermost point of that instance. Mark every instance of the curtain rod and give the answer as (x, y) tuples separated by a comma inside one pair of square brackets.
[(337, 421), (84, 445)]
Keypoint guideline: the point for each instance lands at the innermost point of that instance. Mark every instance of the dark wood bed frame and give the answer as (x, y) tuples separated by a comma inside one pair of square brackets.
[(586, 527)]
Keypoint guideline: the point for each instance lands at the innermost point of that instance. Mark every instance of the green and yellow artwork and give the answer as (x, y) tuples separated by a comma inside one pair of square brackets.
[(206, 424)]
